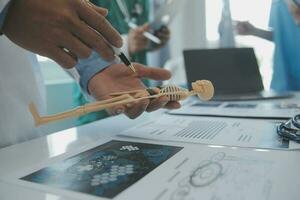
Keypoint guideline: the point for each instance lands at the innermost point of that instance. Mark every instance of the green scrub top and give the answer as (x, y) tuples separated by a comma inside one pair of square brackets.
[(139, 11)]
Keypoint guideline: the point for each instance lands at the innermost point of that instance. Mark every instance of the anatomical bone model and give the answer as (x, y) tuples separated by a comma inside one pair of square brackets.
[(204, 89)]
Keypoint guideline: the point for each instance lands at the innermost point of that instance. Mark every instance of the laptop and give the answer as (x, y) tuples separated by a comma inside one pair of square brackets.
[(233, 71)]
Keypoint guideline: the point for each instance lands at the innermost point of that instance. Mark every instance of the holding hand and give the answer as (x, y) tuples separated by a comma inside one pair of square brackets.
[(244, 28), (63, 30), (164, 35), (136, 40), (294, 8), (118, 78)]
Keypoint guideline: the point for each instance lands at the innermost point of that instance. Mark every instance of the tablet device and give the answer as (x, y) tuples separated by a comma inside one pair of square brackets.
[(166, 13)]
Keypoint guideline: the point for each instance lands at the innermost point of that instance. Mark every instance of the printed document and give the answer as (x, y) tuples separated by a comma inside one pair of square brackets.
[(215, 131)]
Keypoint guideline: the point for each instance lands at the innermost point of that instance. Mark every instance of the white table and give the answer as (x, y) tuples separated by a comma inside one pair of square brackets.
[(18, 159)]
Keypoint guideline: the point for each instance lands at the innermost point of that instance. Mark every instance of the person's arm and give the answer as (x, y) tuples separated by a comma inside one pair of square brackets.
[(63, 30), (99, 78), (164, 35), (138, 42), (246, 28), (264, 34), (119, 78), (294, 7)]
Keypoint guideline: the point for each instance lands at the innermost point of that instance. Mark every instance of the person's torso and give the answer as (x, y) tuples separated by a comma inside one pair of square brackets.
[(287, 46), (18, 87), (139, 11)]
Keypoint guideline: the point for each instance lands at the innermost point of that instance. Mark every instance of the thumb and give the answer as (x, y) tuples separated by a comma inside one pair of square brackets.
[(146, 27), (152, 73)]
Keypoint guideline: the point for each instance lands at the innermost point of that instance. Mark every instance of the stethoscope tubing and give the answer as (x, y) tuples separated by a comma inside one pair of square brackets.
[(286, 132)]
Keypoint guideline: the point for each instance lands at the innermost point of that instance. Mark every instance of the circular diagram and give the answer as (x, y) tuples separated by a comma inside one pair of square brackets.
[(205, 174)]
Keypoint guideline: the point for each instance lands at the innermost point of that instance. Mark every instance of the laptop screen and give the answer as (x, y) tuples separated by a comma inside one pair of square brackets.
[(231, 70)]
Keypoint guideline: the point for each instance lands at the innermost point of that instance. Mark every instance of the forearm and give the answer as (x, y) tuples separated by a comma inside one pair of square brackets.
[(264, 34)]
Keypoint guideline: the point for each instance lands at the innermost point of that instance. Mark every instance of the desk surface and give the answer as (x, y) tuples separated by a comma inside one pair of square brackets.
[(18, 159)]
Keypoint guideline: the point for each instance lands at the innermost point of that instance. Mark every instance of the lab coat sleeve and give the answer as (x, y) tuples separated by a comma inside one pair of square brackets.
[(88, 68), (4, 5)]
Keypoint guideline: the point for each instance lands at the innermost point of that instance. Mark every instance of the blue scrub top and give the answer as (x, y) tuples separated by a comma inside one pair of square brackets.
[(286, 74)]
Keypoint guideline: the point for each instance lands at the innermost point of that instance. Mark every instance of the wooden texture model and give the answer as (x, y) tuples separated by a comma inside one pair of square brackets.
[(204, 89)]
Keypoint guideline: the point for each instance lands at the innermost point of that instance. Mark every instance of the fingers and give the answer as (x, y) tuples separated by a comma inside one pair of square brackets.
[(136, 40), (100, 24), (162, 102), (145, 27), (137, 108), (116, 110), (152, 73), (63, 58), (172, 105), (93, 40), (132, 110), (164, 36), (237, 21), (74, 45), (141, 29), (158, 103), (101, 11)]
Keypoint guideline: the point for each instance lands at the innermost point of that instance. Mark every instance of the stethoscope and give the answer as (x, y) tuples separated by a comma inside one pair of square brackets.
[(290, 130), (130, 18), (134, 14)]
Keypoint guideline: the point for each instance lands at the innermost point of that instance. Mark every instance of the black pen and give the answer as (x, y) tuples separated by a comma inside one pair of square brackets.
[(123, 58)]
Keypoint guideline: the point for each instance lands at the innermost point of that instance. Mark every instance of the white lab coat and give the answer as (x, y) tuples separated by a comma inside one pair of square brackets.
[(18, 87)]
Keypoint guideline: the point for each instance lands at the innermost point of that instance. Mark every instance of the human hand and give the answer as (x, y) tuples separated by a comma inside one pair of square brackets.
[(118, 78), (63, 30), (136, 40), (295, 10), (164, 35), (244, 28)]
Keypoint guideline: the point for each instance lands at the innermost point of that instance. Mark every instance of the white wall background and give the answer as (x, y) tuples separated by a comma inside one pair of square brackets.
[(188, 31), (188, 28)]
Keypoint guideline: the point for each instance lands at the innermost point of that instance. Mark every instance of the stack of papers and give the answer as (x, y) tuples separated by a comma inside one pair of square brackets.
[(240, 109), (213, 131), (123, 170)]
